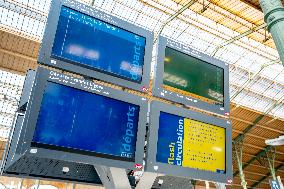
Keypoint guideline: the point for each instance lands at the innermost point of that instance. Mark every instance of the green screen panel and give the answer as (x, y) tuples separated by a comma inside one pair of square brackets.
[(194, 76)]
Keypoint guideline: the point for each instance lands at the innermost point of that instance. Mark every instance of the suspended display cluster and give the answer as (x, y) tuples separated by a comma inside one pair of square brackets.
[(66, 117)]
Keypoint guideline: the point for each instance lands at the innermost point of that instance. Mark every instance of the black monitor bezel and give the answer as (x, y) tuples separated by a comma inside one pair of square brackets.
[(45, 54), (11, 167), (157, 167), (42, 77), (160, 91)]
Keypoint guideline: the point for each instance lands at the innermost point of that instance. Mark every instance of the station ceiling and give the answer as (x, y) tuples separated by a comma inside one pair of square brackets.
[(231, 30)]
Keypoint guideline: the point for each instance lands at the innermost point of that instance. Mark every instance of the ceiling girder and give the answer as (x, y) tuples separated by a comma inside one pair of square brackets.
[(258, 155), (265, 177)]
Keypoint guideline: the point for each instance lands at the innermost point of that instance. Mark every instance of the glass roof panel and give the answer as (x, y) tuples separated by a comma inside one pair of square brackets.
[(246, 56)]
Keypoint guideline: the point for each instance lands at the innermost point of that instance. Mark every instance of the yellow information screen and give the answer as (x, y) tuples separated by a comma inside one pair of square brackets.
[(203, 146), (190, 143)]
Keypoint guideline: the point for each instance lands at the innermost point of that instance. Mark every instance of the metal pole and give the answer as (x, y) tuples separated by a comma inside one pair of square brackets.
[(147, 180), (207, 185), (21, 184), (274, 17), (270, 159), (239, 154), (37, 184), (220, 185)]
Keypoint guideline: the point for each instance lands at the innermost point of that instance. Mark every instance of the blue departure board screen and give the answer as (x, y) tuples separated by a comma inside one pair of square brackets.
[(80, 121), (95, 44)]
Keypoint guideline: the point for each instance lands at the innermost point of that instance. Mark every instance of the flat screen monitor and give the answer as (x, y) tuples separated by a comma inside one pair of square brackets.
[(17, 165), (189, 144), (194, 144), (93, 123), (190, 77), (83, 40), (77, 120)]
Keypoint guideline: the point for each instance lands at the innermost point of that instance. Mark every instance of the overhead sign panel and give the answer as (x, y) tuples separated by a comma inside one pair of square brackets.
[(77, 120), (91, 123), (189, 144), (83, 40), (99, 46), (190, 77)]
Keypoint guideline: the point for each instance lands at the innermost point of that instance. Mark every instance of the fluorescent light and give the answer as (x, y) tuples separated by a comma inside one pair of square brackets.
[(275, 142)]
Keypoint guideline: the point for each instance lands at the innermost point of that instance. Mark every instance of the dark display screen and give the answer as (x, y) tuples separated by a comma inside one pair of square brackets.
[(190, 143), (85, 122), (192, 75), (95, 44)]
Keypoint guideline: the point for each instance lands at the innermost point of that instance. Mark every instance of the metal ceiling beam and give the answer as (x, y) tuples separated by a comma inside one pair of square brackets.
[(23, 10), (253, 173), (236, 13), (250, 79), (12, 70), (258, 155), (257, 125), (248, 128), (252, 5), (19, 55), (257, 165), (10, 85), (26, 60), (265, 177), (240, 89), (251, 135), (240, 137), (250, 31), (253, 165), (251, 180)]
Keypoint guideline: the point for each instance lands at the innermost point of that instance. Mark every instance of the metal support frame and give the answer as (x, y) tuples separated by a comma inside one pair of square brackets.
[(241, 136), (220, 185), (269, 162), (204, 7), (147, 180), (113, 178), (239, 154), (266, 38)]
